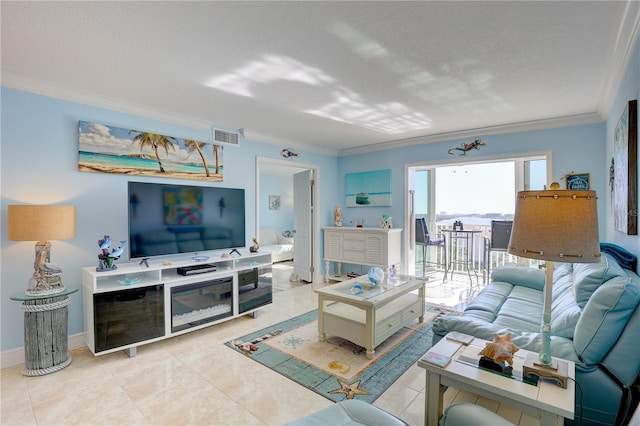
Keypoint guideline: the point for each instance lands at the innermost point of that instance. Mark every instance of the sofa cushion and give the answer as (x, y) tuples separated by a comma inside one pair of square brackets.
[(564, 309), (491, 298), (564, 321), (587, 277), (604, 317), (525, 277)]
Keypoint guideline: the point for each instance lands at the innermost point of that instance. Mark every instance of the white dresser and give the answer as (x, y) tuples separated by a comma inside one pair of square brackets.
[(361, 246)]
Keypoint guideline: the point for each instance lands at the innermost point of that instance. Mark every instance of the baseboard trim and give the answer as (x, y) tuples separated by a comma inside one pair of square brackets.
[(15, 357)]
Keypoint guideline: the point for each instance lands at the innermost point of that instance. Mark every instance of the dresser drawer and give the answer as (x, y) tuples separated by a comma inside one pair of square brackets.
[(353, 255), (353, 242)]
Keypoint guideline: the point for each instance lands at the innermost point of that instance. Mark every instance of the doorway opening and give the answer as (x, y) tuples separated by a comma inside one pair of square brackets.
[(294, 187)]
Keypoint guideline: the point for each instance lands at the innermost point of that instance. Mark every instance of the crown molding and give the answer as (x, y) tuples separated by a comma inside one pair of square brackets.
[(274, 140), (527, 126), (26, 83), (621, 52), (45, 88)]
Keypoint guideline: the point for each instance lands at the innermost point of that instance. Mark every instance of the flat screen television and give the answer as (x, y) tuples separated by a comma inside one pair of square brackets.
[(167, 219)]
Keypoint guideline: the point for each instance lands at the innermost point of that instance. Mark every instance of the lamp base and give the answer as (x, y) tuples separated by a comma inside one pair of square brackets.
[(47, 276), (558, 370), (45, 291)]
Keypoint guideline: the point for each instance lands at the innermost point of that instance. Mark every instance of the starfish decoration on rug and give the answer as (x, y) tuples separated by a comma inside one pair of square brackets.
[(350, 390)]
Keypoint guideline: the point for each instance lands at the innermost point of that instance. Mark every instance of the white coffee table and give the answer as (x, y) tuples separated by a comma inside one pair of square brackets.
[(368, 316), (546, 401)]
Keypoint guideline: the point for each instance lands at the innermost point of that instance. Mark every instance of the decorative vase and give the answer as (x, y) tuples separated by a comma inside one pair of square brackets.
[(337, 215), (375, 275)]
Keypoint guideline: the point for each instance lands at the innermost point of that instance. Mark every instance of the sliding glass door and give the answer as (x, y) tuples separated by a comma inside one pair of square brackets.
[(473, 193)]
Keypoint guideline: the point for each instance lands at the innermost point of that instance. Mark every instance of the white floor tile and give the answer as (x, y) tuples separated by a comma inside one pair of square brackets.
[(195, 379)]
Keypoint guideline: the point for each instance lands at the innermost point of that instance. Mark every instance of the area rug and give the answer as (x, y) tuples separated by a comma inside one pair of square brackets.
[(336, 369)]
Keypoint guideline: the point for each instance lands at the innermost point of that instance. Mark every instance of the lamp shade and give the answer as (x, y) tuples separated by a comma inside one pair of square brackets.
[(556, 225), (38, 223)]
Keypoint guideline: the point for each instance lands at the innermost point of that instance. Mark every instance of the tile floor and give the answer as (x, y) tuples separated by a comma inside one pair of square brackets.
[(194, 379)]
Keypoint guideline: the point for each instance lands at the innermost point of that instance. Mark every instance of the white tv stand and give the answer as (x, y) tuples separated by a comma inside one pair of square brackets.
[(137, 304)]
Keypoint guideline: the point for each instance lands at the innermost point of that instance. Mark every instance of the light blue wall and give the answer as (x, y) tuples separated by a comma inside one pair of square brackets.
[(281, 220), (629, 90), (577, 148), (39, 158)]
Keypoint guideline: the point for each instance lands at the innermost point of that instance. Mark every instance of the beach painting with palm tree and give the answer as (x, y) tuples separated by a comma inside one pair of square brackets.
[(110, 149)]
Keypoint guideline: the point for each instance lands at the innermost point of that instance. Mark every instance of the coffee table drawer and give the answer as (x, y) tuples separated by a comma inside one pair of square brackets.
[(412, 312), (388, 326)]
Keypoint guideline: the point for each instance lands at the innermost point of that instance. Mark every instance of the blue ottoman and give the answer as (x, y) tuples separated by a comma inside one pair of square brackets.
[(471, 415), (349, 412)]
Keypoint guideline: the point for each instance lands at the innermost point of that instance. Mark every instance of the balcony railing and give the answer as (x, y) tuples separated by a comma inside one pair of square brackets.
[(480, 256)]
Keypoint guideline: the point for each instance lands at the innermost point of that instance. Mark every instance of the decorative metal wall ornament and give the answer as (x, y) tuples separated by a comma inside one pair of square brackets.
[(287, 153), (476, 144)]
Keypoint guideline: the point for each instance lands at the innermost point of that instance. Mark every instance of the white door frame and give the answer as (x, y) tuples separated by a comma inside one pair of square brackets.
[(315, 247)]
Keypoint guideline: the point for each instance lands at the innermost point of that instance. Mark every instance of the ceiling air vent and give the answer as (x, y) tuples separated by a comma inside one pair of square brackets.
[(225, 137)]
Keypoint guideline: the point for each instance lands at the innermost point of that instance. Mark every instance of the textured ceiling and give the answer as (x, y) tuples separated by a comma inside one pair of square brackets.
[(326, 75)]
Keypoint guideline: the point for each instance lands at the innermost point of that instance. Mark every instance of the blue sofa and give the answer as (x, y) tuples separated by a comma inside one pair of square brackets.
[(595, 322)]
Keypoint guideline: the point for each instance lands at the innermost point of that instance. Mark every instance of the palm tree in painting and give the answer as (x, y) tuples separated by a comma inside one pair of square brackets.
[(195, 146), (216, 154), (155, 141)]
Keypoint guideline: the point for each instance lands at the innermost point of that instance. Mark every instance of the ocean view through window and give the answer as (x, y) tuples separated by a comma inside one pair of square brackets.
[(474, 194)]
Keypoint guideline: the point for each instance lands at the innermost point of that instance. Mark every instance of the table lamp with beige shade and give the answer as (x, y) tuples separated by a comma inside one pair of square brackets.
[(557, 226), (41, 223)]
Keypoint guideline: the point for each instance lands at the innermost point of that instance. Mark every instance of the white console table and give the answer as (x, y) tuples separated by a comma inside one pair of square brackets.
[(361, 246)]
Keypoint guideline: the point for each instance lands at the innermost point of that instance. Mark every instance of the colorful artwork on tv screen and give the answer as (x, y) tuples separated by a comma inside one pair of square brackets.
[(182, 206), (108, 149)]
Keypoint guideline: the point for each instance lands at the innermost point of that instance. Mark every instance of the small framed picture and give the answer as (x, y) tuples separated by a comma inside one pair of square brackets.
[(274, 202), (578, 181)]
